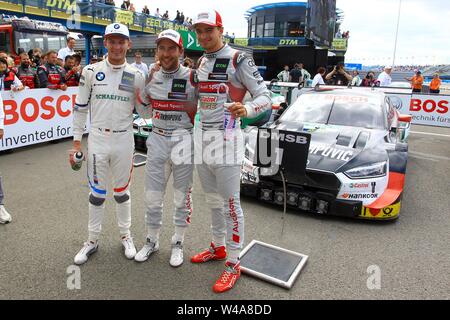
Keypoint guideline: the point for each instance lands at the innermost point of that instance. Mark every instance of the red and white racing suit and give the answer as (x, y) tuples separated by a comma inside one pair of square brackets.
[(173, 101), (220, 168), (109, 93)]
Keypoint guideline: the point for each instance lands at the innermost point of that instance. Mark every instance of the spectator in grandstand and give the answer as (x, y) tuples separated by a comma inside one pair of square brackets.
[(125, 5), (182, 18), (26, 74), (166, 15), (318, 78), (369, 80), (416, 81), (283, 76), (138, 64), (68, 51), (356, 81), (186, 22), (72, 72), (157, 14), (385, 78), (146, 10), (8, 80), (338, 76), (338, 34), (295, 74), (435, 84), (178, 17), (132, 8), (51, 75)]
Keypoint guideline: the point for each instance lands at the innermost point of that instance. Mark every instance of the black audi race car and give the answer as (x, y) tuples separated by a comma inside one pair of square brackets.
[(357, 157)]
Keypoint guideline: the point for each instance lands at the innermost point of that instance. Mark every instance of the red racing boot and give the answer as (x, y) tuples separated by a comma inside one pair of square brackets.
[(212, 253), (228, 278)]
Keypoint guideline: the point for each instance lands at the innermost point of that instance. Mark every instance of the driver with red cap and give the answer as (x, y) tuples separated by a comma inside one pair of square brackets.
[(224, 75)]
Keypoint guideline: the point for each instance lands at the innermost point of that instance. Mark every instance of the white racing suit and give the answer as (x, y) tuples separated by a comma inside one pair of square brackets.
[(109, 93), (173, 101), (220, 168)]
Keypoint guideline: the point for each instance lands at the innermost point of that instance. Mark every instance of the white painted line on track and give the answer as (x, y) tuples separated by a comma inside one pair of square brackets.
[(431, 134)]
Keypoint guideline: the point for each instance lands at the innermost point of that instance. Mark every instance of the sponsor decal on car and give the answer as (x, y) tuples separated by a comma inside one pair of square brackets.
[(358, 196), (331, 153), (389, 212)]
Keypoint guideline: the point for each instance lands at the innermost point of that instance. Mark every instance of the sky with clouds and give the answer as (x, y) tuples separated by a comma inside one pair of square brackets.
[(423, 38)]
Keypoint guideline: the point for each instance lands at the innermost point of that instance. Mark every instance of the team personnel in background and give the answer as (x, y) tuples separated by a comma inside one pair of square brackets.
[(5, 217), (72, 72), (435, 84), (356, 81), (224, 76), (295, 74), (109, 90), (139, 64), (171, 94), (26, 74), (338, 76), (306, 76), (67, 51), (318, 78), (385, 78), (8, 79), (50, 74), (369, 80), (416, 81), (283, 76)]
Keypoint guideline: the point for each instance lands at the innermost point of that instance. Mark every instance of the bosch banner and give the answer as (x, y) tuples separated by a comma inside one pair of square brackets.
[(35, 116)]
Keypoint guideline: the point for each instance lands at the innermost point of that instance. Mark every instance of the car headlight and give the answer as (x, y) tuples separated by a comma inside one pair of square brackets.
[(375, 170)]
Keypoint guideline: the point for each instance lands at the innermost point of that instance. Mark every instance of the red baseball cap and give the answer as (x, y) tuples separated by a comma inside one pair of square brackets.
[(211, 18)]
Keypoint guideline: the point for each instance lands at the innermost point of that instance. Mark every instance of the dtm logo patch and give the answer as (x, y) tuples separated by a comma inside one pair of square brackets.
[(100, 76), (179, 85), (221, 65), (127, 82)]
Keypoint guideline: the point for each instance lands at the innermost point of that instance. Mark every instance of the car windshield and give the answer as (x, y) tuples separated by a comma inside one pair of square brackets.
[(337, 109), (26, 41)]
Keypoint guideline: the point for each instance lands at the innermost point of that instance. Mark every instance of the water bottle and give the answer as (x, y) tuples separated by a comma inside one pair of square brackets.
[(229, 121), (77, 160)]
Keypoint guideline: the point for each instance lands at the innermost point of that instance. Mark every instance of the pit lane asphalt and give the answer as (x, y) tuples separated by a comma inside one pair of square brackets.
[(48, 202)]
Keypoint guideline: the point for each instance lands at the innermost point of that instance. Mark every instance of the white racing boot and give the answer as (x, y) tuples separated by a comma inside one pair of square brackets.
[(83, 255), (147, 250), (5, 217), (130, 248)]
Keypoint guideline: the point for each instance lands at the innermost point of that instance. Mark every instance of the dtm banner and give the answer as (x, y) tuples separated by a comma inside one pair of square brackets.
[(35, 116)]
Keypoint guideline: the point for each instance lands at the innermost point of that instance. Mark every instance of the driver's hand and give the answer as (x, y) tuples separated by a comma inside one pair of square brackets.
[(238, 110), (76, 148)]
